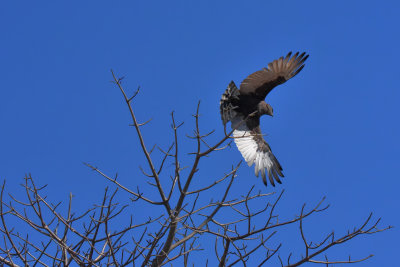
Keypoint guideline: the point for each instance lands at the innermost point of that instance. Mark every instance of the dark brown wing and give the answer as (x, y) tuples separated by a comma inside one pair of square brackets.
[(229, 103), (261, 82)]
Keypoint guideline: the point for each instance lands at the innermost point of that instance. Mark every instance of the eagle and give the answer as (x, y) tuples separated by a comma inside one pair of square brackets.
[(243, 108)]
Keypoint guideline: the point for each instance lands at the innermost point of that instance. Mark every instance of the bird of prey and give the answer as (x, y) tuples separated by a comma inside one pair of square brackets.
[(243, 108)]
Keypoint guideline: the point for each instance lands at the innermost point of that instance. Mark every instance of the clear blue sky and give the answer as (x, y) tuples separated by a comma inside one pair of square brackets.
[(335, 131)]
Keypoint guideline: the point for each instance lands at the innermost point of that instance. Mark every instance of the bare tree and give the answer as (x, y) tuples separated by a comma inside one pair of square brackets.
[(183, 227)]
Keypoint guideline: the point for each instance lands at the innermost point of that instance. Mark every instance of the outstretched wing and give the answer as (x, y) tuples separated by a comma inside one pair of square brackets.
[(261, 82), (255, 150)]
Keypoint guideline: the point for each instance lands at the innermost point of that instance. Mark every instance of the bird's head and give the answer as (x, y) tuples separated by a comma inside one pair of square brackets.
[(264, 108)]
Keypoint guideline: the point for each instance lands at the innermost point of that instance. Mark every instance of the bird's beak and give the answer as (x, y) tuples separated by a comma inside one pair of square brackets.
[(270, 110)]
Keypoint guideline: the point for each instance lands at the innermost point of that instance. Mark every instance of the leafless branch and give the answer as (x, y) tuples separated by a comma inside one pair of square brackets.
[(184, 220)]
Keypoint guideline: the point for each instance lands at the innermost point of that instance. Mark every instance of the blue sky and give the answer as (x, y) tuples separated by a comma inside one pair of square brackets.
[(335, 130)]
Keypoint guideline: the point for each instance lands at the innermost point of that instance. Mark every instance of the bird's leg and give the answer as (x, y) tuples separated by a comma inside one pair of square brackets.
[(225, 130), (253, 114)]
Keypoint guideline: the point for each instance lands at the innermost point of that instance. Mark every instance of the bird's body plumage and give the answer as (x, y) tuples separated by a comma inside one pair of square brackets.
[(244, 107)]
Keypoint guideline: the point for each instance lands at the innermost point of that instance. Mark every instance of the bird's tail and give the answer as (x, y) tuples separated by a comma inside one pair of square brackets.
[(228, 102)]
